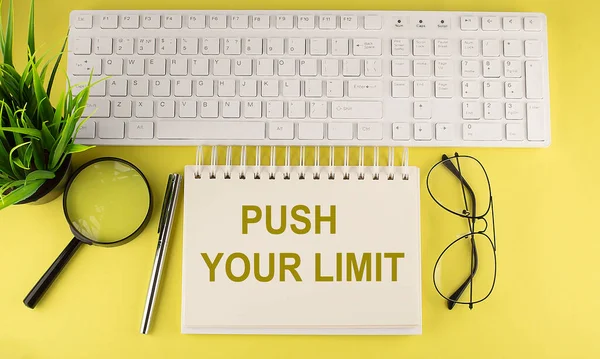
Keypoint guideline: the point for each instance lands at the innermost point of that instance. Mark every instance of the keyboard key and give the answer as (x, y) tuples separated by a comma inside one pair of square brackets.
[(367, 47), (471, 110), (103, 46), (351, 67), (264, 67), (356, 110), (135, 67), (515, 111), (281, 130), (122, 108), (422, 68), (296, 46), (423, 131), (182, 88), (400, 68), (365, 89), (306, 22), (421, 47), (349, 22), (140, 130), (511, 23), (513, 90), (491, 48), (335, 88), (471, 89), (327, 22), (151, 22), (534, 80), (118, 87), (270, 88), (318, 109), (83, 22), (443, 89), (286, 67), (97, 108), (189, 46), (443, 68), (87, 130), (470, 48), (97, 90), (200, 67), (167, 46), (492, 90), (310, 131), (82, 46), (401, 131), (217, 22), (275, 46), (400, 47), (533, 48), (370, 131), (231, 109), (85, 66), (161, 87), (532, 24), (210, 46), (172, 22), (221, 67), (373, 68), (187, 109), (285, 22), (492, 111), (513, 69), (492, 68), (239, 21), (422, 89), (209, 109), (291, 88), (515, 132), (482, 131), (296, 109), (373, 22), (178, 67), (535, 122), (400, 89), (469, 23), (146, 46), (330, 68), (444, 132), (339, 47), (165, 109), (313, 88), (308, 67), (260, 22), (157, 67), (196, 21), (144, 109), (124, 46), (211, 130), (274, 109), (490, 23), (130, 21), (318, 46), (252, 109), (513, 48), (253, 46), (242, 67), (340, 131), (442, 47), (226, 88), (111, 129), (422, 110)]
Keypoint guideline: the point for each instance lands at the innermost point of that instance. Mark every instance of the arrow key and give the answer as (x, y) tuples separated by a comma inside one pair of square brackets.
[(443, 132), (401, 131), (533, 24), (511, 23), (490, 23), (423, 131)]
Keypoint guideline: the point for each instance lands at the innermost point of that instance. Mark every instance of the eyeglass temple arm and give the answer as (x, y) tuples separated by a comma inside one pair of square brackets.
[(456, 295)]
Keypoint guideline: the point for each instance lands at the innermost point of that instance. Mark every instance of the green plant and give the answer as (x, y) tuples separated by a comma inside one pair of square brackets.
[(35, 136)]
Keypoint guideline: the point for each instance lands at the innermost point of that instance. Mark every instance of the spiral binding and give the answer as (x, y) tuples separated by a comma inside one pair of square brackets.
[(302, 167)]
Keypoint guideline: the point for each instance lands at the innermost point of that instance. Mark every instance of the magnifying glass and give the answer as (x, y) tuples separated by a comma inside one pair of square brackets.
[(107, 202)]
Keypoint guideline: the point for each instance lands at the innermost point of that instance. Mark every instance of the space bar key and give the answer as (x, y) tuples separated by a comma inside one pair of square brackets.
[(210, 130)]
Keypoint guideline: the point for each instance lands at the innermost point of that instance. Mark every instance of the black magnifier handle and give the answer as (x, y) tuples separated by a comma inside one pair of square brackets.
[(48, 278)]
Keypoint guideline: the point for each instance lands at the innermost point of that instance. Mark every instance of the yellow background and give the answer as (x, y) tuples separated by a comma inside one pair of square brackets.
[(546, 301)]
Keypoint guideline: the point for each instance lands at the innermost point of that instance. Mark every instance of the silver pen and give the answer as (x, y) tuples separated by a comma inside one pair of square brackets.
[(164, 232)]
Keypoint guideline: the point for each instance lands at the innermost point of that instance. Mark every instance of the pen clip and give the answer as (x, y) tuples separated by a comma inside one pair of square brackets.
[(163, 212)]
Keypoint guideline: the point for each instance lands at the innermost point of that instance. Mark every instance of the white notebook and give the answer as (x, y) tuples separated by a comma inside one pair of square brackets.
[(284, 255)]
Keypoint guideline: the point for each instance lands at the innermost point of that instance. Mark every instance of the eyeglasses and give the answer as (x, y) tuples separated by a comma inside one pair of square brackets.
[(461, 186)]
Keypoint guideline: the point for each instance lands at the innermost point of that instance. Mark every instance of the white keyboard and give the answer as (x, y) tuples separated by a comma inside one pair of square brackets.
[(352, 78)]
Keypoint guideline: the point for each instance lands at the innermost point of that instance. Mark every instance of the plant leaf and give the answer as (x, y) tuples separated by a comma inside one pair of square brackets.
[(8, 41), (58, 113), (44, 107), (39, 174), (38, 155), (76, 148), (31, 35), (47, 137), (56, 65), (20, 194), (24, 131), (15, 163)]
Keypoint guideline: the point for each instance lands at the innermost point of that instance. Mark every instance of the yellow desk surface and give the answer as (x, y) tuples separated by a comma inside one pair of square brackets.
[(546, 301)]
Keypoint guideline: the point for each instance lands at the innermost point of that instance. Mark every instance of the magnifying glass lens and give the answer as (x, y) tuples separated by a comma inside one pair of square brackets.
[(107, 201)]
